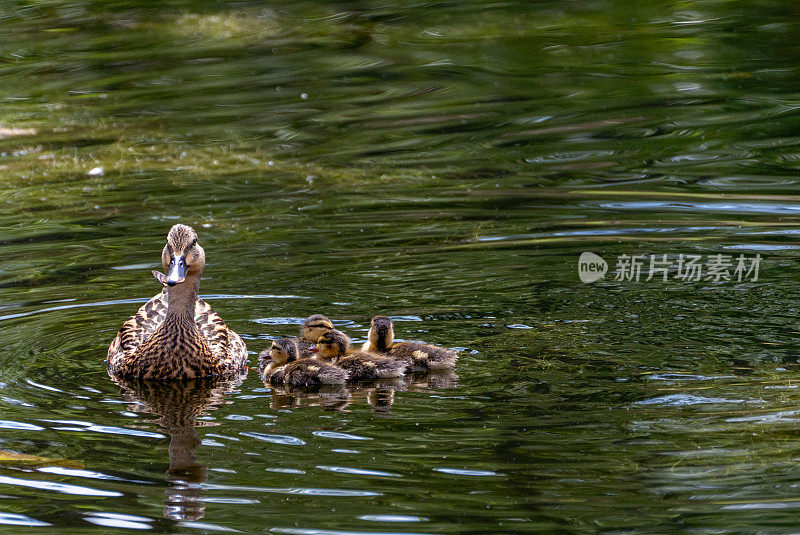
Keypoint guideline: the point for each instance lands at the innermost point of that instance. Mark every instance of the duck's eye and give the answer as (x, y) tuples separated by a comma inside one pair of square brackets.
[(194, 242)]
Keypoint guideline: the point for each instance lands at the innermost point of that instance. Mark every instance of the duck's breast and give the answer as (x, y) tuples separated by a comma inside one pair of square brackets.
[(224, 344)]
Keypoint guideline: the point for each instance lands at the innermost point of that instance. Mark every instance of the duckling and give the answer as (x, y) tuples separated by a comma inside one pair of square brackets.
[(421, 357), (313, 327), (334, 346), (310, 331), (176, 335), (285, 368)]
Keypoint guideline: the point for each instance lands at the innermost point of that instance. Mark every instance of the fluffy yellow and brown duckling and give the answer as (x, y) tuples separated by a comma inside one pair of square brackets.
[(285, 368), (334, 346), (421, 357), (313, 327), (310, 331), (176, 335)]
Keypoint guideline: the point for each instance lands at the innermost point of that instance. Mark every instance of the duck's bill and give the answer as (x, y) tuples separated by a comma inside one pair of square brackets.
[(177, 272)]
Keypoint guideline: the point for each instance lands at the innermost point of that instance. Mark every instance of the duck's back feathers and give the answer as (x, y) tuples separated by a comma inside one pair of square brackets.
[(424, 357), (307, 372), (367, 367)]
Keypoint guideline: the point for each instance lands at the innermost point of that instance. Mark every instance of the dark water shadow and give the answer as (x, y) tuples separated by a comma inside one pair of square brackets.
[(178, 404)]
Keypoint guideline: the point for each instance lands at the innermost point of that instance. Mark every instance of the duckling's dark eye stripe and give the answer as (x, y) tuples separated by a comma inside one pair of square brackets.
[(318, 325)]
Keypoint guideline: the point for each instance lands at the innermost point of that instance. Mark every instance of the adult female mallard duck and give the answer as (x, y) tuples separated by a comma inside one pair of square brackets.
[(283, 367), (334, 346), (176, 335), (421, 357)]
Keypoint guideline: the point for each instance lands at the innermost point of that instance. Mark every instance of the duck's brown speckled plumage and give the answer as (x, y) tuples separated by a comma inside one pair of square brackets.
[(418, 356), (190, 340), (284, 368), (334, 346)]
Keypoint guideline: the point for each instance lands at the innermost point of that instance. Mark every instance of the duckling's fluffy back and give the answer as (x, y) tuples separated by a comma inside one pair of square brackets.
[(308, 372), (424, 357), (368, 367)]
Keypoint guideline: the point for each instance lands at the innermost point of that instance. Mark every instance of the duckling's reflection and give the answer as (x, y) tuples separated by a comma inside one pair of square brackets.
[(178, 404), (380, 395), (440, 380), (329, 397)]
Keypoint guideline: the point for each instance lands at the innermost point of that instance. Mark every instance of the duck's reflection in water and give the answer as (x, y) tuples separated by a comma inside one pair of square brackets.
[(178, 403), (380, 395)]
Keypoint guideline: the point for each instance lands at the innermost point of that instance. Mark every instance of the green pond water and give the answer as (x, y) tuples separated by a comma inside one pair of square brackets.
[(443, 163)]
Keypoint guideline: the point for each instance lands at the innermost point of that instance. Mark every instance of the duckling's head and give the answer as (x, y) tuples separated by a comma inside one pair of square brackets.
[(381, 333), (182, 256), (283, 351), (332, 344), (314, 327)]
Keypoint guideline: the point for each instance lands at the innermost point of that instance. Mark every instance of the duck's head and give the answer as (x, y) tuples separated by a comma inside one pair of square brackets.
[(314, 327), (332, 344), (182, 256), (381, 333), (283, 351)]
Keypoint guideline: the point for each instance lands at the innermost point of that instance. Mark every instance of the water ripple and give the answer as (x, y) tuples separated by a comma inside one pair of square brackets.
[(337, 435), (12, 519), (682, 400), (43, 387), (57, 487), (302, 491), (393, 518), (465, 472), (727, 207), (311, 531), (140, 300), (686, 377), (89, 474), (775, 417), (117, 523), (275, 439), (112, 430), (206, 526), (357, 471), (789, 504), (8, 424)]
